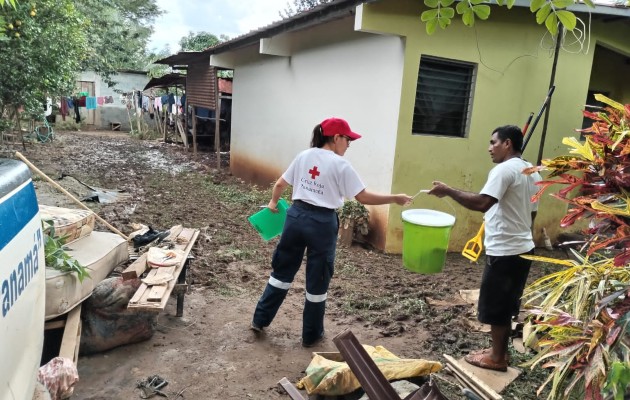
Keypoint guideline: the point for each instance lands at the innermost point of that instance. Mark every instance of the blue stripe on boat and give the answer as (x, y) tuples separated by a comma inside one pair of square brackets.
[(15, 212)]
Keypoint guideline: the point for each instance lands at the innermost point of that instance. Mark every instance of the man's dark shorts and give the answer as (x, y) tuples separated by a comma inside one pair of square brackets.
[(502, 285)]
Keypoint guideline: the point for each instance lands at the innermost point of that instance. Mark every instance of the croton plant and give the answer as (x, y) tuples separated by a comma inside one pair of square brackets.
[(581, 314)]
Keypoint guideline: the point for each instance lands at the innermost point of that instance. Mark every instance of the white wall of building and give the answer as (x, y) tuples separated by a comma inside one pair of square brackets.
[(278, 100)]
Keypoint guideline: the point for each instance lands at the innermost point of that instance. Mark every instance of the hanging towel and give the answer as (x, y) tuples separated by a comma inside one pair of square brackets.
[(90, 103), (63, 108), (109, 99), (100, 101), (82, 101)]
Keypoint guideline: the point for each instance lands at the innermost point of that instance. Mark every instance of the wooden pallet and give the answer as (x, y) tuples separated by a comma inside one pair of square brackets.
[(154, 297)]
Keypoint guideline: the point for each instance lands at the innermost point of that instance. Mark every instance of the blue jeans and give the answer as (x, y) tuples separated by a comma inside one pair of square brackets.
[(310, 229)]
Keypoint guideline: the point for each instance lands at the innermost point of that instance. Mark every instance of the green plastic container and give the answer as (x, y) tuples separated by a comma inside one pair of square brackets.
[(270, 224), (425, 239)]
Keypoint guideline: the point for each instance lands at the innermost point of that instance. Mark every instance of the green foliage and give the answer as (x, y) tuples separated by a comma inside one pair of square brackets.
[(198, 41), (55, 253), (42, 56), (3, 23), (552, 13), (618, 379), (582, 311), (118, 31), (353, 211)]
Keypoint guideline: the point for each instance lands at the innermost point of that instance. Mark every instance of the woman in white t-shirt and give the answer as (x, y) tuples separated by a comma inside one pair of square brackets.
[(321, 179)]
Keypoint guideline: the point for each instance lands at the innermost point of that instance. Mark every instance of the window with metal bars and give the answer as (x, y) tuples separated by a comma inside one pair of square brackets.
[(443, 97)]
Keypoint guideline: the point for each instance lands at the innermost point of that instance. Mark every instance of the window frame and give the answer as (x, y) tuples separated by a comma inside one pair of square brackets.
[(470, 80)]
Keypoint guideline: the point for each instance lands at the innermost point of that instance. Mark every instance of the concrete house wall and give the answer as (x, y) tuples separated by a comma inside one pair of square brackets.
[(104, 115), (365, 68), (513, 74)]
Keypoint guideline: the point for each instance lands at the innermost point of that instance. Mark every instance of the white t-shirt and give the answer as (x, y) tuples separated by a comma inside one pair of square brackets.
[(508, 222), (322, 178)]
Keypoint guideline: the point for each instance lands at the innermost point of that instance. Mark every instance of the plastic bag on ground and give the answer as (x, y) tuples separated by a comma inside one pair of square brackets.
[(334, 378)]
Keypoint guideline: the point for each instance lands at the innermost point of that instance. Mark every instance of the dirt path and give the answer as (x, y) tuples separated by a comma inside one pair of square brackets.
[(210, 352)]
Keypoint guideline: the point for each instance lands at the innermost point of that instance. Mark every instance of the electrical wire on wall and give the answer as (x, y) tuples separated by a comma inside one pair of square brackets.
[(580, 36)]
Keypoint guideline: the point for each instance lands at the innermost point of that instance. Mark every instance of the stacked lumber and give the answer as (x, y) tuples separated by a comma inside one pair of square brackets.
[(158, 284)]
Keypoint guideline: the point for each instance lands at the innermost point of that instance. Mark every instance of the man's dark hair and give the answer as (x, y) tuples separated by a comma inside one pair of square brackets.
[(513, 133)]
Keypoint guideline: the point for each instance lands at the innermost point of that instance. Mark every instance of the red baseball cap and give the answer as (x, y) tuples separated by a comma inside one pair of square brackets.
[(338, 126)]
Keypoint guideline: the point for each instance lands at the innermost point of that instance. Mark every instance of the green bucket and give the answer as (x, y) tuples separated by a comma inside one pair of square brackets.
[(270, 224), (425, 239)]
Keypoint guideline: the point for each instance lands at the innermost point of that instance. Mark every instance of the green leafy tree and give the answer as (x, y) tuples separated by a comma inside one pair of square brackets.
[(156, 70), (299, 6), (3, 23), (199, 41), (46, 47), (118, 31)]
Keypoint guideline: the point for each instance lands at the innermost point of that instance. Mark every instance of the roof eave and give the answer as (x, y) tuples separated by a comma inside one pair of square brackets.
[(319, 14)]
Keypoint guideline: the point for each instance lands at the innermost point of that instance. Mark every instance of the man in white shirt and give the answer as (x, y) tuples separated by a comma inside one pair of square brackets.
[(506, 201)]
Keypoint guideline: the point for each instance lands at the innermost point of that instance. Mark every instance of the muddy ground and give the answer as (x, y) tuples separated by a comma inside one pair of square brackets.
[(210, 352)]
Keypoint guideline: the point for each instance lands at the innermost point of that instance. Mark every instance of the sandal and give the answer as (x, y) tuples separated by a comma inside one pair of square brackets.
[(483, 360), (488, 351)]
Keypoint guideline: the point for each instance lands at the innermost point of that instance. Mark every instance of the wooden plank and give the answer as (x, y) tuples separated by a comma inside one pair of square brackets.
[(71, 335), (185, 241), (478, 383), (156, 293), (461, 378), (136, 269), (291, 390), (182, 133), (136, 296)]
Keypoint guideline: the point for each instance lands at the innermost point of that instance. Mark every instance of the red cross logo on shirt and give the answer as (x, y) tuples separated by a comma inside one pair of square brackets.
[(314, 172)]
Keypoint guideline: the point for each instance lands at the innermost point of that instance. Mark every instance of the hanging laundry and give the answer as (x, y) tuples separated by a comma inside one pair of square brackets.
[(109, 100), (171, 99), (77, 115), (145, 103), (90, 103), (63, 108), (69, 102), (158, 104), (84, 94), (82, 101), (100, 101)]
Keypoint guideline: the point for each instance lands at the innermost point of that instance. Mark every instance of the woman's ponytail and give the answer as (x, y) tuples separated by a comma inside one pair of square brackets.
[(318, 139)]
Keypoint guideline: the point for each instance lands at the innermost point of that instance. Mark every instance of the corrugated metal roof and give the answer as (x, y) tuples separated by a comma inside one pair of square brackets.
[(182, 58), (323, 12), (167, 80)]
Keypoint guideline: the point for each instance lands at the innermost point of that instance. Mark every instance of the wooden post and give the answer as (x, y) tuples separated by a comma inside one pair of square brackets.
[(164, 128), (217, 131), (158, 120), (194, 129)]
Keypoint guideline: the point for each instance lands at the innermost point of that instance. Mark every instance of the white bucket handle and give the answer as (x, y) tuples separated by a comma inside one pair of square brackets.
[(442, 198)]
